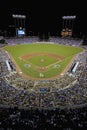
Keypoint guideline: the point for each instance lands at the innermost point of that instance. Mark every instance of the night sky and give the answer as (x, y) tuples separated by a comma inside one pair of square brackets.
[(44, 15)]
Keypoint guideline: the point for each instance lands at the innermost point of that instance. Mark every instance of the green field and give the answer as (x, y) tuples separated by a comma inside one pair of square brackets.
[(38, 64), (46, 60)]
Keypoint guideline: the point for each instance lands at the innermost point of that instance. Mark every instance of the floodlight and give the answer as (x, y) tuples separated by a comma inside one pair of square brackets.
[(68, 17), (18, 16)]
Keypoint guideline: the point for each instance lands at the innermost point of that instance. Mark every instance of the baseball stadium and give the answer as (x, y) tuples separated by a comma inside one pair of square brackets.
[(43, 82)]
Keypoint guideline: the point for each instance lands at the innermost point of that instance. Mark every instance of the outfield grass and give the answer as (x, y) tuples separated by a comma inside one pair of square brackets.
[(18, 51)]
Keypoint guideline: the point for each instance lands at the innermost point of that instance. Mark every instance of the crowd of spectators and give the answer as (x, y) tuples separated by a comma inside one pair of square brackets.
[(66, 41), (43, 119), (36, 104), (56, 40), (22, 40)]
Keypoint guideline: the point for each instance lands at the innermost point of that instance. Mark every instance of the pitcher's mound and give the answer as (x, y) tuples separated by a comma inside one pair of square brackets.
[(42, 60)]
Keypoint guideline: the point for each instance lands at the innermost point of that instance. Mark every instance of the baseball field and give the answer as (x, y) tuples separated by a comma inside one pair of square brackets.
[(42, 60)]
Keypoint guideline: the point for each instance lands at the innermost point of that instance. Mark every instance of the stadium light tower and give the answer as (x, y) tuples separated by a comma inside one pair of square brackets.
[(19, 22), (67, 27)]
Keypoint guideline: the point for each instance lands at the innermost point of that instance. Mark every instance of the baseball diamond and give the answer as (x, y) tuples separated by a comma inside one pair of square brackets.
[(35, 59)]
